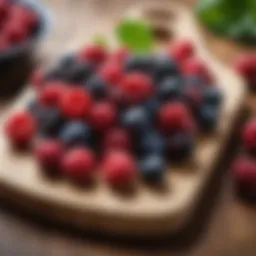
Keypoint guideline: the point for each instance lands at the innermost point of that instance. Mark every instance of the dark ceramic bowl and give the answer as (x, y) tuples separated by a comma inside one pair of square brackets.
[(16, 63)]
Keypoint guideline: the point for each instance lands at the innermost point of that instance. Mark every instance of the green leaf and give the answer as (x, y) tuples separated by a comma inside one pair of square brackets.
[(135, 35)]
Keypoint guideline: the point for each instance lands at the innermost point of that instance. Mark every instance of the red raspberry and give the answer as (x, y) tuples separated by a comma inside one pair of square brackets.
[(117, 139), (102, 115), (245, 65), (37, 78), (21, 129), (51, 93), (49, 154), (94, 53), (4, 7), (195, 67), (120, 56), (119, 168), (174, 116), (244, 170), (79, 164), (24, 16), (75, 103), (15, 33), (112, 73), (137, 87), (182, 51), (249, 135)]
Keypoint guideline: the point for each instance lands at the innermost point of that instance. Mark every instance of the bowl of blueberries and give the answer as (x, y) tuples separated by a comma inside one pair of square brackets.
[(22, 24)]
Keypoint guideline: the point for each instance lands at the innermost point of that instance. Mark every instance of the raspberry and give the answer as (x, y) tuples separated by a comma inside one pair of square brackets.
[(102, 115), (119, 168), (249, 136), (112, 73), (195, 67), (79, 164), (182, 51), (21, 129), (15, 33), (245, 65), (27, 18), (94, 53), (117, 139), (37, 78), (49, 154), (120, 56), (174, 116), (75, 103), (4, 6), (51, 93), (137, 87), (245, 169)]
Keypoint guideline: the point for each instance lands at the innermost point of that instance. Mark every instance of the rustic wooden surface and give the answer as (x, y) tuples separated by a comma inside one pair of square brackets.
[(226, 228)]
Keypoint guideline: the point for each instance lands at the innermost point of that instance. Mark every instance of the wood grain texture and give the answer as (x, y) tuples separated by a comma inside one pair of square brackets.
[(231, 230)]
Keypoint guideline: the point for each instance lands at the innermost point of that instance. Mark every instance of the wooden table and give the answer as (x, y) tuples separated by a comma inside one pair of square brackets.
[(225, 225)]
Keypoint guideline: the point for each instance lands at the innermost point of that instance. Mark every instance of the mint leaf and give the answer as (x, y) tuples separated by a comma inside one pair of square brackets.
[(136, 35)]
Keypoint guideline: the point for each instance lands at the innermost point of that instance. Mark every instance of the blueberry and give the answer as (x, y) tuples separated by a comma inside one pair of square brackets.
[(152, 106), (152, 168), (55, 74), (180, 146), (141, 63), (212, 96), (49, 120), (66, 61), (97, 86), (136, 119), (76, 133), (33, 107), (208, 117), (78, 72), (170, 88), (194, 82), (152, 143), (164, 67)]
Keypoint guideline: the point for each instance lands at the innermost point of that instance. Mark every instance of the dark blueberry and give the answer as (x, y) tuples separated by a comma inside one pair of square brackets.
[(152, 106), (97, 87), (136, 119), (164, 67), (208, 117), (141, 63), (212, 96), (180, 146), (170, 88), (76, 133), (66, 61), (152, 168), (55, 74), (33, 107), (78, 72), (49, 121), (152, 143), (194, 82)]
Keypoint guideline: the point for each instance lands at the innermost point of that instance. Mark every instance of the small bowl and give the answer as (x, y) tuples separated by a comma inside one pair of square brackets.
[(16, 63)]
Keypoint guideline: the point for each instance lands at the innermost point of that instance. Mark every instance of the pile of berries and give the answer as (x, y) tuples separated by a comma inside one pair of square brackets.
[(18, 23), (244, 168), (125, 115)]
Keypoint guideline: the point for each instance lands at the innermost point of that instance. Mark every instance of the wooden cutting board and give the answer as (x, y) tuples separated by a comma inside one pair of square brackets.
[(147, 211)]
